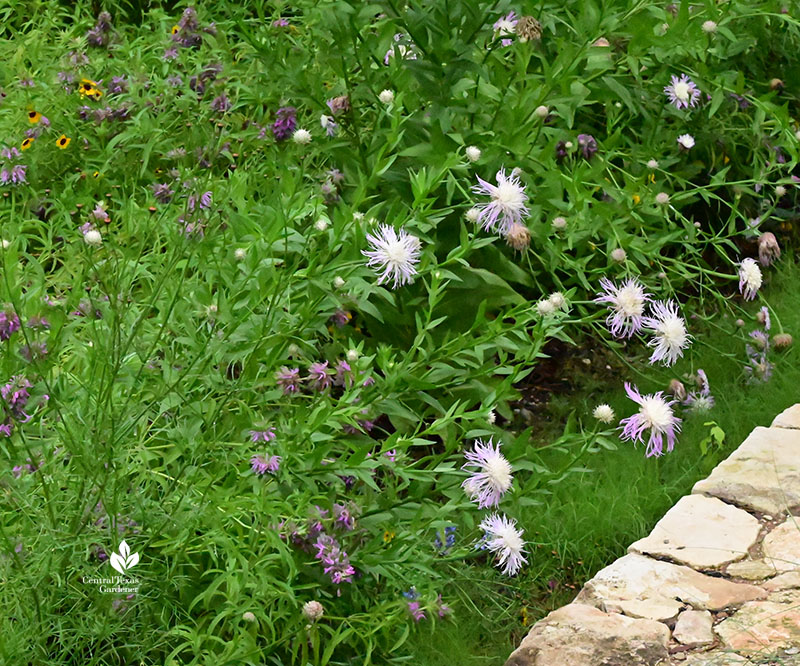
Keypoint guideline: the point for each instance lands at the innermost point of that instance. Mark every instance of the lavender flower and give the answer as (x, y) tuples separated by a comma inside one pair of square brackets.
[(339, 105), (416, 612), (319, 375), (504, 27), (220, 104), (655, 414), (491, 478), (15, 394), (504, 539), (262, 435), (626, 306), (395, 254), (163, 192), (261, 464), (288, 379), (337, 563), (669, 332), (118, 85), (507, 203), (682, 92), (701, 400)]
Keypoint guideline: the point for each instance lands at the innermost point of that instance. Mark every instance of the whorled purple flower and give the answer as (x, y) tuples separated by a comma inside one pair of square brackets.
[(261, 464), (416, 612), (221, 104), (319, 375), (288, 379), (16, 396), (285, 123), (162, 192), (700, 400), (335, 560), (9, 323), (587, 145), (656, 416), (266, 435)]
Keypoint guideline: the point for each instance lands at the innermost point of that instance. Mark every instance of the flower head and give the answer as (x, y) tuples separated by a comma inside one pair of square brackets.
[(386, 96), (669, 332), (682, 92), (313, 610), (686, 141), (603, 413), (288, 379), (587, 144), (394, 253), (261, 464), (507, 202), (302, 137), (491, 477), (505, 540), (768, 248), (285, 123), (626, 306), (749, 278), (504, 27), (656, 416)]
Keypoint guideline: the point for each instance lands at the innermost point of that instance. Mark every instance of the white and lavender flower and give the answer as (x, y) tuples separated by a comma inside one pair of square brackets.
[(506, 206), (750, 278), (669, 332), (626, 306), (394, 253), (504, 539), (700, 400), (682, 92), (491, 474), (655, 416)]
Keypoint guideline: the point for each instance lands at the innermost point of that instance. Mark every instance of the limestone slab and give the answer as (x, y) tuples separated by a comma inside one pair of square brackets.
[(637, 577), (763, 474), (694, 628), (781, 546), (751, 570), (702, 532), (762, 626), (581, 635), (661, 610), (785, 581), (788, 418)]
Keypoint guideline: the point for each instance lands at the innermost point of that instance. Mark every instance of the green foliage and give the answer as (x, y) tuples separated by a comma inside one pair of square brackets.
[(170, 258)]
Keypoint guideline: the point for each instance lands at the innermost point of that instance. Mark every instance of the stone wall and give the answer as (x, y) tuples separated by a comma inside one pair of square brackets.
[(716, 583)]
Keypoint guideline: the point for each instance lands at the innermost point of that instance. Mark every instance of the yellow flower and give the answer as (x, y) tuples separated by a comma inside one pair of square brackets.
[(26, 143), (636, 198), (63, 141), (34, 117), (726, 159), (96, 174), (388, 536), (175, 29), (652, 178)]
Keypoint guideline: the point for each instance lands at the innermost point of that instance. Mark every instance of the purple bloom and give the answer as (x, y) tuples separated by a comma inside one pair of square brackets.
[(343, 517), (261, 464), (343, 374), (507, 202), (587, 145), (491, 474), (702, 400), (18, 174), (504, 539), (626, 306), (15, 394), (288, 379), (34, 351), (118, 85), (337, 563), (682, 92), (221, 104), (319, 375), (285, 123), (280, 23), (443, 609), (163, 192), (170, 53), (262, 435), (416, 612), (655, 415), (9, 323), (205, 201), (38, 321)]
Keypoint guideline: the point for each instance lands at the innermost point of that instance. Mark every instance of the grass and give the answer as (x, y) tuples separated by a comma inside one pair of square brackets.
[(590, 522)]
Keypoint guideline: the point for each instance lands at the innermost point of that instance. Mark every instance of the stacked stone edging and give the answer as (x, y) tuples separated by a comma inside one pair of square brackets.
[(716, 583)]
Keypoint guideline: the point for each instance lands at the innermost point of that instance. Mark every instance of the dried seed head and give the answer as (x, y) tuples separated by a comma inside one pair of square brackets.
[(528, 28)]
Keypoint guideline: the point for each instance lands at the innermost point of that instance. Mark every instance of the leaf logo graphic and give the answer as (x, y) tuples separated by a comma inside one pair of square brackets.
[(125, 560)]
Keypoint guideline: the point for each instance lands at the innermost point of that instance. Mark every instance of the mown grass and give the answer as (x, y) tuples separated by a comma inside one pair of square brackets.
[(591, 520)]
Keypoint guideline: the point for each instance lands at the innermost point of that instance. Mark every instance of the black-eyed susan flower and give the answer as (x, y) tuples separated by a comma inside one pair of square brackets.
[(388, 535), (26, 143), (34, 117), (175, 29), (63, 141)]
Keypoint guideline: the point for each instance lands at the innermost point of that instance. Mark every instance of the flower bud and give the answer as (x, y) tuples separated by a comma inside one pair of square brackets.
[(518, 237), (662, 198), (473, 153), (541, 111), (248, 617), (709, 27), (619, 255), (782, 341), (559, 223), (313, 610), (386, 96), (768, 248), (776, 84), (677, 389)]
